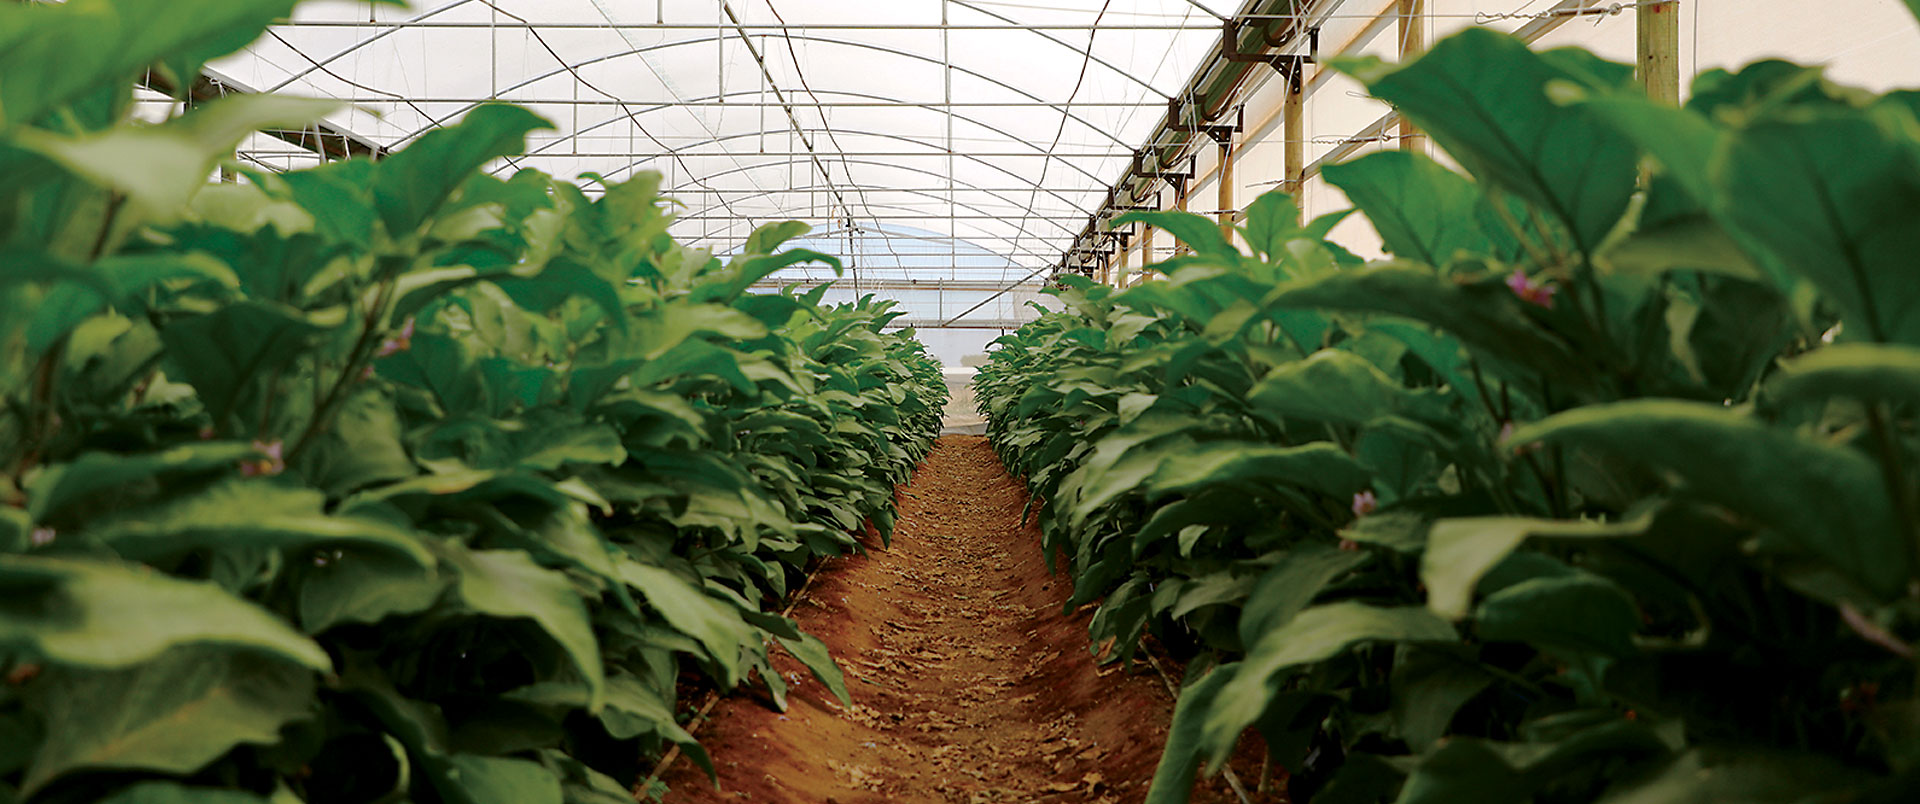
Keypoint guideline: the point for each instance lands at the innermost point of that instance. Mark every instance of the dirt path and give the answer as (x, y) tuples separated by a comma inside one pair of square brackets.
[(969, 685)]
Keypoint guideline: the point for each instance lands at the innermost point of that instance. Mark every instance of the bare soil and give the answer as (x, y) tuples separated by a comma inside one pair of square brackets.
[(969, 683)]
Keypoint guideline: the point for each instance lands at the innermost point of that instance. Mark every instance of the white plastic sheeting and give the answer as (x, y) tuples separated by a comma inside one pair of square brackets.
[(945, 149)]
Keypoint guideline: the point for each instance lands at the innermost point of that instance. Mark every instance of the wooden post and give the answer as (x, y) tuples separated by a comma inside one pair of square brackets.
[(1659, 50), (1225, 195), (1146, 243), (1180, 203), (1294, 129), (1413, 42), (1119, 278)]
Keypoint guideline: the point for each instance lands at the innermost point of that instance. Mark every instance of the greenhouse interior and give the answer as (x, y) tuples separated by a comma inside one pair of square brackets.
[(959, 401)]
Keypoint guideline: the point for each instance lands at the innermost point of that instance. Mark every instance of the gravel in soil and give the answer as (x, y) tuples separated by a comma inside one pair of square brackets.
[(969, 684)]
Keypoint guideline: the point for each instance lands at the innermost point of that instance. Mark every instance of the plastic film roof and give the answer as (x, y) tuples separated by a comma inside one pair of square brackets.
[(962, 142)]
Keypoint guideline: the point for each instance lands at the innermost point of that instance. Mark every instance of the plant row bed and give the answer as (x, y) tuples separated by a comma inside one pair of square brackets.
[(390, 481), (1601, 488)]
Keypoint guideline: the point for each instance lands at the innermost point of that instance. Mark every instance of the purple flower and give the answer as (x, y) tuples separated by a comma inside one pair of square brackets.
[(41, 537), (1364, 503), (1531, 291), (397, 345), (269, 466)]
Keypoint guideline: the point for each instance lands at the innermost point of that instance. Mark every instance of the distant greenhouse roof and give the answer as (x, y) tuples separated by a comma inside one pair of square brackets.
[(964, 140)]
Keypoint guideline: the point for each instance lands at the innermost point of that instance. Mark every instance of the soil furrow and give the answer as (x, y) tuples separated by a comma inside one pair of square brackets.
[(969, 683)]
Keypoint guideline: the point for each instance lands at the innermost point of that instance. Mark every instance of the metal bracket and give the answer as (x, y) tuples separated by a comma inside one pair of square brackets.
[(1291, 67), (1223, 133), (1178, 178)]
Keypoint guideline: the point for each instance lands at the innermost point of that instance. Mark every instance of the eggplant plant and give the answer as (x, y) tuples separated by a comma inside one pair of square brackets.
[(390, 480), (1601, 487)]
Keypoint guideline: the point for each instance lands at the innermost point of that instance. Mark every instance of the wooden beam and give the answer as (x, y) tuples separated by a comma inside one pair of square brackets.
[(1225, 195), (1659, 50), (1413, 42), (1293, 128)]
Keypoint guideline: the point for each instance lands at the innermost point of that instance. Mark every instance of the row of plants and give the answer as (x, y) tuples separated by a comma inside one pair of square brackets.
[(1603, 487), (390, 480)]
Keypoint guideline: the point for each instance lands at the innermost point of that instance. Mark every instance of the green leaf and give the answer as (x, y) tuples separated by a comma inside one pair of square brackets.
[(1423, 211), (1827, 501), (159, 168), (241, 513), (95, 473), (1180, 759), (1825, 197), (1429, 688), (497, 780), (171, 715), (507, 584), (412, 184), (94, 614), (1334, 385), (1291, 585), (1460, 551), (1489, 319), (176, 793), (1487, 99), (1200, 233), (1714, 775), (813, 653), (694, 613), (1272, 220), (1317, 633), (364, 587), (51, 55), (1578, 614), (230, 354), (1864, 371)]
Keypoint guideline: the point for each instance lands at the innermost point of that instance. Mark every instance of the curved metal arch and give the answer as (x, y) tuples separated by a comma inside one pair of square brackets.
[(844, 161), (1012, 245), (1062, 108), (823, 156), (683, 151), (1012, 242), (932, 195), (321, 64), (929, 237)]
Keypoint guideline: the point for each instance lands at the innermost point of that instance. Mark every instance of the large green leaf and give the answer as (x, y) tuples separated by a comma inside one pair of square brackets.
[(90, 613), (1863, 371), (1713, 775), (1572, 615), (1486, 318), (1424, 212), (94, 473), (173, 715), (159, 168), (1826, 501), (230, 355), (1486, 98), (175, 793), (1825, 196), (51, 55), (1315, 634), (1460, 551), (243, 514), (507, 584), (1180, 759), (412, 184), (497, 780), (1291, 585), (695, 613), (1334, 385), (1200, 233)]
